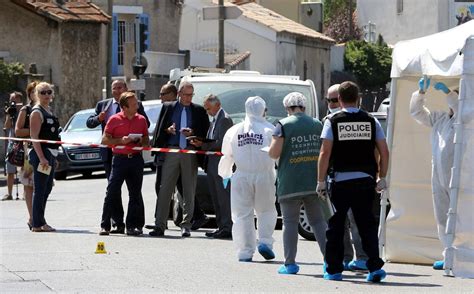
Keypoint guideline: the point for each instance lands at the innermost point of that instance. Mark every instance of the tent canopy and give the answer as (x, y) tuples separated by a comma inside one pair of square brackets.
[(433, 55), (411, 234)]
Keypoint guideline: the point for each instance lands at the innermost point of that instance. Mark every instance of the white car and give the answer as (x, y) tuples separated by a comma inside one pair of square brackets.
[(233, 89), (384, 106)]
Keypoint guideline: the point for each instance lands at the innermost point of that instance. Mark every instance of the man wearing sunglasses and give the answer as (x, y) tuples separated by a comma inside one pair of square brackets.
[(103, 111)]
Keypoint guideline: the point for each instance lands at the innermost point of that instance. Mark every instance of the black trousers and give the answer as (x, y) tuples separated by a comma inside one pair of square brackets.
[(129, 170), (358, 195), (117, 207)]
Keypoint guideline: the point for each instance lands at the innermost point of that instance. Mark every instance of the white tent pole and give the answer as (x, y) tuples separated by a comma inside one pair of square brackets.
[(454, 182), (386, 194)]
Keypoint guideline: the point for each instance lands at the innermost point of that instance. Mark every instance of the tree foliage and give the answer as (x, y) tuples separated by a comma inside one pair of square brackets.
[(370, 63), (8, 74), (337, 20)]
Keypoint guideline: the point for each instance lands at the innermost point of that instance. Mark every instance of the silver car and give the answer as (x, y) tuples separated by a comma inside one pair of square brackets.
[(85, 159)]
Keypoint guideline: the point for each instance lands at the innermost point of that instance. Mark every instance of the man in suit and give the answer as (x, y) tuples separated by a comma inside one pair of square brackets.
[(220, 195), (103, 111), (177, 121)]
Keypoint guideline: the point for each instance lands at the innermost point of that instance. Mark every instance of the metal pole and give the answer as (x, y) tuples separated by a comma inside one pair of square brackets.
[(221, 33), (108, 72), (137, 40)]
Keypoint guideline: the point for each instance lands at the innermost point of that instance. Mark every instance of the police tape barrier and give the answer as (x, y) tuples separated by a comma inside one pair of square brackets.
[(164, 150)]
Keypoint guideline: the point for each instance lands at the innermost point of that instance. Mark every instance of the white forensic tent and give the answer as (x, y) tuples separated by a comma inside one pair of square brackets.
[(411, 234)]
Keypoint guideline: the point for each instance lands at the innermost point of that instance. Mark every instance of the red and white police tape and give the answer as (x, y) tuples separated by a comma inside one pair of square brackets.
[(165, 150)]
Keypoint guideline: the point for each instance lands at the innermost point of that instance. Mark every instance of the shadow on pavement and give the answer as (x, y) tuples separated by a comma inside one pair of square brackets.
[(70, 231)]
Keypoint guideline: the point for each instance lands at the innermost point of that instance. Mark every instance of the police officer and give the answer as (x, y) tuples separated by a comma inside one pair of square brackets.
[(350, 138)]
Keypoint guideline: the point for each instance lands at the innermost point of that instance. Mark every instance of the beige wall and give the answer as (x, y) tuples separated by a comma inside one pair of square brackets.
[(287, 8), (317, 57)]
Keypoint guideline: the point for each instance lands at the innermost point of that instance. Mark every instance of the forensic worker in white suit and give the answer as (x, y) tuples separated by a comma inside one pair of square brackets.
[(253, 182), (442, 141)]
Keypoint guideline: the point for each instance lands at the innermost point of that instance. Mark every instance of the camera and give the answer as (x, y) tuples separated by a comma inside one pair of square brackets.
[(10, 108)]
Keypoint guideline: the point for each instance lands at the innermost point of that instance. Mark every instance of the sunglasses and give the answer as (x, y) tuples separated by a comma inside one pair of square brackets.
[(46, 92), (165, 93), (332, 100)]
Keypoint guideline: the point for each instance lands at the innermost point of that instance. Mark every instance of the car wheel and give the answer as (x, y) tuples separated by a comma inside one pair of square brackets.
[(60, 175), (304, 229), (177, 209)]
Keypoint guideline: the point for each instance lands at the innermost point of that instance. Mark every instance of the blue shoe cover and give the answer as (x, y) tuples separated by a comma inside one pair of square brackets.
[(265, 251), (245, 259), (346, 265), (438, 265), (333, 277), (376, 276), (358, 265), (289, 269), (325, 266)]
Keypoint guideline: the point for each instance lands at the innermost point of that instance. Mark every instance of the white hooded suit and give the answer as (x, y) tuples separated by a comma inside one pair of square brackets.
[(253, 183), (442, 140)]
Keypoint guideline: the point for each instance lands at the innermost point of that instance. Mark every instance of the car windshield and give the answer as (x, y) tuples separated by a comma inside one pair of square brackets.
[(78, 123), (234, 94)]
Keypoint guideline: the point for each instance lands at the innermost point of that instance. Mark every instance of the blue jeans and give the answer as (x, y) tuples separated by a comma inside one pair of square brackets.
[(43, 184)]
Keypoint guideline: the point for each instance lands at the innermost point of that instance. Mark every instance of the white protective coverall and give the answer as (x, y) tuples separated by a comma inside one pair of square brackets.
[(442, 140), (253, 183)]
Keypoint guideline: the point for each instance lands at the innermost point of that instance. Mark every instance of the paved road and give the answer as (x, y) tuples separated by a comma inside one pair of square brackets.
[(65, 261)]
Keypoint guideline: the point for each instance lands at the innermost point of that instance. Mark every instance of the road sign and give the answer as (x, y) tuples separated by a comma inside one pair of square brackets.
[(212, 12)]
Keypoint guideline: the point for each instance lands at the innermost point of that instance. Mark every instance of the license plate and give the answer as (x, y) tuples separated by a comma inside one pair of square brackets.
[(87, 156)]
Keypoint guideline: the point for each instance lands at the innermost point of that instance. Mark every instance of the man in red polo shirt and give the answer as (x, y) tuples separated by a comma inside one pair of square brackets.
[(130, 129)]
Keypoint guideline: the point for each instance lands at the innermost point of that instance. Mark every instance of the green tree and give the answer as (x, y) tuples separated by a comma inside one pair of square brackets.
[(370, 63), (8, 74)]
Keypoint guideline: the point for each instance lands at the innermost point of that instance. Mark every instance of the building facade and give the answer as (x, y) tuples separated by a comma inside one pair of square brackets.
[(64, 40), (398, 20)]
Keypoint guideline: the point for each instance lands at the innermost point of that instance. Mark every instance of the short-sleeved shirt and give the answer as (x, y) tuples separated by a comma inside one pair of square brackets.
[(328, 135), (119, 125)]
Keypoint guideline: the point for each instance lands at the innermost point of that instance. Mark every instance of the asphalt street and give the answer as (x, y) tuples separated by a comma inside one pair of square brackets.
[(65, 261)]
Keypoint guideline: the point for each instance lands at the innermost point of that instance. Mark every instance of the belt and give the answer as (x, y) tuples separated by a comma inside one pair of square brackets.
[(129, 155)]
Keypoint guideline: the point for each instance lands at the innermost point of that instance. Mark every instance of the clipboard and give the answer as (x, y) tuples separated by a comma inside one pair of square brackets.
[(204, 140)]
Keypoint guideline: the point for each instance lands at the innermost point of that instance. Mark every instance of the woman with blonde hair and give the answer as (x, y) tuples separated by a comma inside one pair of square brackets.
[(22, 130), (43, 125)]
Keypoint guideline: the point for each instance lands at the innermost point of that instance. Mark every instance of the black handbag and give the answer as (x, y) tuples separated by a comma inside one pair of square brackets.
[(16, 156)]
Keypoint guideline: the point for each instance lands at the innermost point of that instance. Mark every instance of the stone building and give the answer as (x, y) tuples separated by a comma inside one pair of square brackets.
[(64, 39)]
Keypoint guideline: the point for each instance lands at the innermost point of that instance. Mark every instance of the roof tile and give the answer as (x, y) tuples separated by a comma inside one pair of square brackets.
[(71, 10)]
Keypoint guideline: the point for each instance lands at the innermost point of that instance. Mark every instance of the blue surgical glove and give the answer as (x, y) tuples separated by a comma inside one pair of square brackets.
[(225, 182), (424, 84), (442, 87)]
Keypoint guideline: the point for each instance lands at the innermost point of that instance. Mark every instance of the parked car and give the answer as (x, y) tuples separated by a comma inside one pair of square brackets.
[(304, 228), (85, 159), (384, 106), (233, 89)]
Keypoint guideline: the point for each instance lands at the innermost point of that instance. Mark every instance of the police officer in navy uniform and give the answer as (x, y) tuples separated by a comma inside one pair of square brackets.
[(350, 138)]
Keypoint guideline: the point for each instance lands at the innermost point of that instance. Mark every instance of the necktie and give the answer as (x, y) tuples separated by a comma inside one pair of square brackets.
[(210, 133), (117, 109), (184, 121)]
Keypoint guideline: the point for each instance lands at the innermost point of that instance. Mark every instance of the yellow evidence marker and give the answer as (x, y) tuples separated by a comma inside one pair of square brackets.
[(100, 249)]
